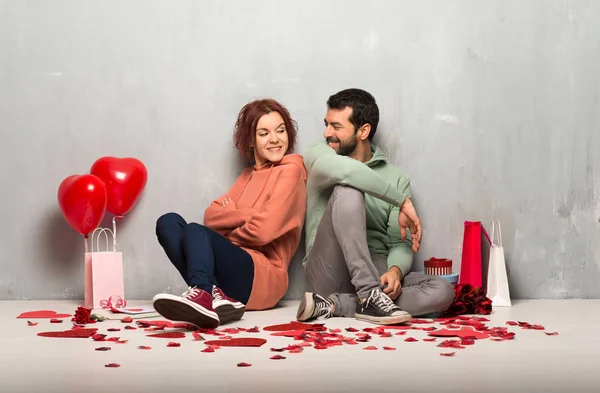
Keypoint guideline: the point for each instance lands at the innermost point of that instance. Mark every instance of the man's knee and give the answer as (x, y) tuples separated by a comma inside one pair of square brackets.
[(347, 198), (442, 293)]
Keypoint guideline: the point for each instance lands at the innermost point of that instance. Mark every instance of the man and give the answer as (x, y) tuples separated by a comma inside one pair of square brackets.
[(358, 252)]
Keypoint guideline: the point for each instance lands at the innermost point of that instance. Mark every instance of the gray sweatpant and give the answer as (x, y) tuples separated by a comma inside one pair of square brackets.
[(341, 267)]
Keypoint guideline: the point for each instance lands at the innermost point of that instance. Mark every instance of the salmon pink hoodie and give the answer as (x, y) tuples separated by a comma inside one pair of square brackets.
[(265, 219)]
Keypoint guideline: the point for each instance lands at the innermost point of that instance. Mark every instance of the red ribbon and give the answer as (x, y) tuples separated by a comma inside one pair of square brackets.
[(120, 302)]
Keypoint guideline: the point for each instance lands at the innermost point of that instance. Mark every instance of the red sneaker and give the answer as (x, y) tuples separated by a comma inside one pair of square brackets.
[(227, 308), (194, 306)]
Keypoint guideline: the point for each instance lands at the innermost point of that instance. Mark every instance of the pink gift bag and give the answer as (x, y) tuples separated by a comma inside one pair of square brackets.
[(104, 285)]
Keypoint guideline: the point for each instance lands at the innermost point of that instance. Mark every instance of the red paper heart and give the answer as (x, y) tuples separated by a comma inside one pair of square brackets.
[(209, 349), (113, 365), (159, 324), (277, 357), (127, 320), (389, 348), (370, 348), (72, 333), (145, 347), (244, 364), (172, 344), (42, 314), (124, 179), (463, 332), (292, 326), (411, 339), (289, 333), (103, 349), (167, 335), (238, 342), (449, 354)]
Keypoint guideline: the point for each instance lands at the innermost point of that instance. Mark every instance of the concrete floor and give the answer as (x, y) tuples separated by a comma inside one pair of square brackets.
[(533, 362)]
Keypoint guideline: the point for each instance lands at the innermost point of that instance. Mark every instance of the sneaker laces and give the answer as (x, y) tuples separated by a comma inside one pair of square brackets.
[(189, 293), (217, 295), (322, 307), (381, 300)]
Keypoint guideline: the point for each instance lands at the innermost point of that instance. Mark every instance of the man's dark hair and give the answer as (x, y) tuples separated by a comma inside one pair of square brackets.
[(364, 108)]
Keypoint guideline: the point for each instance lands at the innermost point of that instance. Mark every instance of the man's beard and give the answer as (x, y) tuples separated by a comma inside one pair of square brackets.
[(345, 148)]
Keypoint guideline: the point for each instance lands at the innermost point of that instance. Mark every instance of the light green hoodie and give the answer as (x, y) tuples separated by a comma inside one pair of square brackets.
[(385, 188)]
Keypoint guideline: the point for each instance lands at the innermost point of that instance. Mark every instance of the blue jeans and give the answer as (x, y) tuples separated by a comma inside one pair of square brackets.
[(205, 258)]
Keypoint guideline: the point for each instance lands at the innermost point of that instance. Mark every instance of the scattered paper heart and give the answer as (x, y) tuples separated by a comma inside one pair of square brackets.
[(238, 342), (72, 333), (103, 349), (167, 335), (197, 336), (172, 344), (244, 364), (112, 365), (42, 314)]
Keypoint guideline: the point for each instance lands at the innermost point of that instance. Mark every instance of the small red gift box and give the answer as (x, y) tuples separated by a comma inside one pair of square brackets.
[(438, 267)]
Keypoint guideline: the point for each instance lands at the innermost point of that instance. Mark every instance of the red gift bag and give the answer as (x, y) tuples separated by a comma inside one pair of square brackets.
[(471, 266)]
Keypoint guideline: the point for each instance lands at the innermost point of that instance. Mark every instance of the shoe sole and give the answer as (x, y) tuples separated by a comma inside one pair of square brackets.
[(306, 307), (228, 313), (383, 320), (177, 309)]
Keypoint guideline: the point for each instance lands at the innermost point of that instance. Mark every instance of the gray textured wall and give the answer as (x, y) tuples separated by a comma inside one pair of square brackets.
[(491, 107)]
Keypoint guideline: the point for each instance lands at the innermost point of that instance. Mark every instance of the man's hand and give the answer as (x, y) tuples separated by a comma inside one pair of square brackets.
[(392, 280), (408, 218)]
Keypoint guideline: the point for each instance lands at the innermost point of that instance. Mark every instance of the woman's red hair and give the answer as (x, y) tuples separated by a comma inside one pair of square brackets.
[(245, 127)]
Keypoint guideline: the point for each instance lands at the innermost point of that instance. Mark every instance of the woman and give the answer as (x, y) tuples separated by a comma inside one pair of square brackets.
[(239, 258)]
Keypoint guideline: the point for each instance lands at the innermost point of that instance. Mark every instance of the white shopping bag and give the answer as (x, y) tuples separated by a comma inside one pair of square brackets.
[(497, 279)]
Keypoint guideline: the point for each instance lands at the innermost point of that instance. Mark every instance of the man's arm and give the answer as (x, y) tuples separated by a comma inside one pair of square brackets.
[(326, 168), (400, 252)]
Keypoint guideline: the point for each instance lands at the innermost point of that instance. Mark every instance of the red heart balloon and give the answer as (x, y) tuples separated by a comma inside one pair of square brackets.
[(124, 179), (82, 200)]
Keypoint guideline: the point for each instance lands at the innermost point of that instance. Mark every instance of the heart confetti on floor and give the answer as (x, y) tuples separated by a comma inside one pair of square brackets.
[(456, 333)]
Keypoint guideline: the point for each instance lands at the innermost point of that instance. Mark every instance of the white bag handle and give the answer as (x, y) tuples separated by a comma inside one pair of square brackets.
[(494, 223), (102, 231)]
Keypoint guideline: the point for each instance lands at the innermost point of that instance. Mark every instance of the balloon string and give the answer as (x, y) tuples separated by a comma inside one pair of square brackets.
[(86, 245), (114, 222)]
